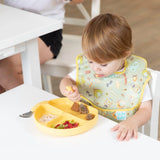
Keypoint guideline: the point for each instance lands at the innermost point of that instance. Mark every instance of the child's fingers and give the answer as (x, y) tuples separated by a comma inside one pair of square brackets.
[(129, 135), (72, 93), (135, 134), (74, 88), (115, 128), (123, 135), (75, 99), (74, 96), (122, 132), (66, 91)]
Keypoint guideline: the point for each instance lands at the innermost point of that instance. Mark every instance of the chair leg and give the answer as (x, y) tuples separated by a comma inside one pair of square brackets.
[(95, 8), (47, 84)]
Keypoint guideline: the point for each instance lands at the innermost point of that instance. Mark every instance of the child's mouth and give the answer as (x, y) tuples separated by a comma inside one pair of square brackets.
[(99, 75)]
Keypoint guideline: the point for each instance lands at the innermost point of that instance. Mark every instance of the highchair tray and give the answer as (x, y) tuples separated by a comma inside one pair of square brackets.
[(57, 117)]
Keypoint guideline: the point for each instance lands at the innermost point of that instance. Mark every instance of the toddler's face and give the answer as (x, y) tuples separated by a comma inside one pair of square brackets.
[(106, 69)]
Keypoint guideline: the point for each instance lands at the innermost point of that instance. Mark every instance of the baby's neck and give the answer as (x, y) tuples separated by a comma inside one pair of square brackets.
[(121, 66)]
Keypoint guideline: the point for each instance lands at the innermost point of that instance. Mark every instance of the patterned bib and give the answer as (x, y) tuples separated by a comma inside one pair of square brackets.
[(117, 96)]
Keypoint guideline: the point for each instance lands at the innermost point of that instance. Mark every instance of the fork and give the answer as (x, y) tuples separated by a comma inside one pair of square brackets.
[(26, 114)]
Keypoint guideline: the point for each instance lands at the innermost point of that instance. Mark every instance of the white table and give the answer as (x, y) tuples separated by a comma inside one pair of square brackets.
[(18, 33), (21, 139)]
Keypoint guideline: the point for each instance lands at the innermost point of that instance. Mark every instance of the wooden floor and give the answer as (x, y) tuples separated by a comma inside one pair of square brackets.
[(144, 19)]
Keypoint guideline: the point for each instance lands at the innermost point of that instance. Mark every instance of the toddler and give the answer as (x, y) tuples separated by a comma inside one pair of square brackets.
[(109, 77)]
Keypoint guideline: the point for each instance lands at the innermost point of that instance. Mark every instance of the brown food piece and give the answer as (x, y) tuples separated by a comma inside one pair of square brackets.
[(90, 116), (83, 109), (75, 107)]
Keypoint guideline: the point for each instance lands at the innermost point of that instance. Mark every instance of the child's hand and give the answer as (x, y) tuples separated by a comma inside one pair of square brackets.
[(71, 92), (126, 129)]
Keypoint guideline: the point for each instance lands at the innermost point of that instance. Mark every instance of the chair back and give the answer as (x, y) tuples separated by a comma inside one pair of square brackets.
[(151, 128), (95, 10)]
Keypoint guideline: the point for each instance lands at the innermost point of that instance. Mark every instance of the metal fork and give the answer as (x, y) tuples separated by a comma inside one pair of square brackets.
[(29, 114), (26, 114)]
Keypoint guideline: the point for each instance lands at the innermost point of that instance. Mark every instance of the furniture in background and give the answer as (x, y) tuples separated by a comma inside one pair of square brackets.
[(18, 34), (65, 62), (21, 139), (153, 124), (95, 10)]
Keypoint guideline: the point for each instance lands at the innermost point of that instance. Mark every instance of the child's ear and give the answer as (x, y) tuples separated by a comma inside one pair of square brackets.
[(128, 53), (131, 50)]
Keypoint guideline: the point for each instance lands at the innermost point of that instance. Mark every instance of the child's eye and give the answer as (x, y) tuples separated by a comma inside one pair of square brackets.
[(90, 61), (104, 65)]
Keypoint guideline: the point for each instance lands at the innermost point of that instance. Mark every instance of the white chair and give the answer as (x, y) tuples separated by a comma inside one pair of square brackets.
[(151, 128), (95, 10), (65, 62)]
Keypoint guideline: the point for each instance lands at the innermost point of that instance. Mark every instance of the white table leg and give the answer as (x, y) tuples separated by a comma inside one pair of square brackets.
[(31, 64)]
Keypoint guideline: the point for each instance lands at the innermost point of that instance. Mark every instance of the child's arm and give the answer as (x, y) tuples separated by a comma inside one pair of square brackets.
[(129, 128), (72, 95)]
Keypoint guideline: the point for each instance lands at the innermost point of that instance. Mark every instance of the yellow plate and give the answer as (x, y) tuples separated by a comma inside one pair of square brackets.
[(56, 111)]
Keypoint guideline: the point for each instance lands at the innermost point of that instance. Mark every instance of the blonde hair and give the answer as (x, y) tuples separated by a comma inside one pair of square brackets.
[(107, 37)]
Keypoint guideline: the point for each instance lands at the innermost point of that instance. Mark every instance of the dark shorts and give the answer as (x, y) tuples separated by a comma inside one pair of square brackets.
[(54, 41)]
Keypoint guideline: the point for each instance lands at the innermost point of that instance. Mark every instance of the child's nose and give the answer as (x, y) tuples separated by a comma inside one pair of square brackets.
[(97, 68)]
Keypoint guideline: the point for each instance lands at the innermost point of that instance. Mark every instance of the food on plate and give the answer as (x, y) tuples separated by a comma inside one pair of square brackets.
[(66, 125), (47, 117), (90, 116), (75, 107), (83, 109)]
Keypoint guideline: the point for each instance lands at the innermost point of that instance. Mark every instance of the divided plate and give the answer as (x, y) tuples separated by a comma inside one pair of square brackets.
[(56, 111)]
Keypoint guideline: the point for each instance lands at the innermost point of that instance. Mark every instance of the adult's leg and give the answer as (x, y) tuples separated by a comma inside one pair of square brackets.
[(11, 68), (2, 90), (45, 53), (11, 72)]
